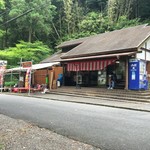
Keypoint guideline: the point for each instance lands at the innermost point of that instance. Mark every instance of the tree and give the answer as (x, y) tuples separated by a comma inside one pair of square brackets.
[(96, 5), (117, 8), (26, 51), (53, 21), (2, 31), (67, 19), (68, 4), (35, 23), (95, 23), (2, 4), (141, 9)]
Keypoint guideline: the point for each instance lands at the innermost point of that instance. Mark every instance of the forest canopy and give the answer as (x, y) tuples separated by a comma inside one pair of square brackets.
[(54, 21)]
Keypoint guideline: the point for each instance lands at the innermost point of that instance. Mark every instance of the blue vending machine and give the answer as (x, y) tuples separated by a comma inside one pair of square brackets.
[(137, 75)]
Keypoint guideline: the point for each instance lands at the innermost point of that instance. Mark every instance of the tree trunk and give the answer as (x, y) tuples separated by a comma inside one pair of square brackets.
[(30, 34)]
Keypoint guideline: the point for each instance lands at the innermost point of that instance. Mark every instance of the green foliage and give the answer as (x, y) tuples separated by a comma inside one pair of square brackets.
[(10, 84), (2, 4), (123, 22), (26, 51), (2, 146), (53, 21), (2, 32), (142, 9), (91, 23), (99, 23), (37, 22), (96, 4)]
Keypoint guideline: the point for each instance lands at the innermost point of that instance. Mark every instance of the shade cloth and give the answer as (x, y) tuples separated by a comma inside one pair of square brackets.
[(89, 65)]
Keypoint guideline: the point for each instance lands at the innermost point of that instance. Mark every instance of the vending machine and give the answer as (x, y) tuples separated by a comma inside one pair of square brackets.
[(137, 75)]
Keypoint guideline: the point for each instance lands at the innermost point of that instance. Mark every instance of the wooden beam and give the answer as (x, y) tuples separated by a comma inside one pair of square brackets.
[(145, 49), (126, 72)]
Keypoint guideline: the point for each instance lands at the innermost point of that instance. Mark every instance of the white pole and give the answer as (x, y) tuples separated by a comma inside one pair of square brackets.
[(20, 72), (1, 78), (1, 82), (30, 81)]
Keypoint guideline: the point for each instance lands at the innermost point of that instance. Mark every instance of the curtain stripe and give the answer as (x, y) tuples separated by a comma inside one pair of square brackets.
[(90, 65)]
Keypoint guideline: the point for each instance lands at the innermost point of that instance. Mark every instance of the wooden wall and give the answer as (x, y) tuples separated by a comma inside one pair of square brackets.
[(39, 77), (148, 70), (53, 76)]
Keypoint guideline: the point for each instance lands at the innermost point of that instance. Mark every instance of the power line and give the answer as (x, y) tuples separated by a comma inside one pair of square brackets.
[(26, 12)]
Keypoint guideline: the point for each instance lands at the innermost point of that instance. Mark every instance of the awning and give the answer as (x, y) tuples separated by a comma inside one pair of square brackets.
[(89, 65), (34, 67), (44, 65)]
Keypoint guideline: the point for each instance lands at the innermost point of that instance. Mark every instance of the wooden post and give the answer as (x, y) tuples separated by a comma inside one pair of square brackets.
[(64, 72), (51, 79), (127, 73)]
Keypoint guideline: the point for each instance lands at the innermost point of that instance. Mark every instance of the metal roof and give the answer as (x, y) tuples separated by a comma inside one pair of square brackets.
[(34, 67)]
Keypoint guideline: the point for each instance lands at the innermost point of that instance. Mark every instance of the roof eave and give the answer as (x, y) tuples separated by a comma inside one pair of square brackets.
[(143, 41), (101, 53), (114, 55), (64, 46)]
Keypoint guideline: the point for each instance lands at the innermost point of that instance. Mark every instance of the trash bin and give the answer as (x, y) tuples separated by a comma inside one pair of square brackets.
[(60, 79), (58, 83)]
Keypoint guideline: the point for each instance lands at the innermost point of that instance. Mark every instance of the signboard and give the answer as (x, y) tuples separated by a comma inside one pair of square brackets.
[(26, 64), (28, 78)]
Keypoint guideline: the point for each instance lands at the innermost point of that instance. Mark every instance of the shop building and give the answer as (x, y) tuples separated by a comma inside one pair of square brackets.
[(41, 74), (126, 52)]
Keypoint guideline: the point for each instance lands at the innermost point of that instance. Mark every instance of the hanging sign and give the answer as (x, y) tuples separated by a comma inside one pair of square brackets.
[(27, 64)]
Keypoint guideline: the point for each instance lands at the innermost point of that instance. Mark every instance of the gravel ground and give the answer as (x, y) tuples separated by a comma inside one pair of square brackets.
[(19, 135)]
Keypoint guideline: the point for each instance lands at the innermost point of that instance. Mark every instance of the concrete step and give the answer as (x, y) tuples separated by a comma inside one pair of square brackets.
[(95, 95), (101, 92)]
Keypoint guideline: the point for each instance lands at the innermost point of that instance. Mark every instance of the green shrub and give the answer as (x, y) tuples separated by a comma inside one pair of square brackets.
[(1, 146), (10, 84)]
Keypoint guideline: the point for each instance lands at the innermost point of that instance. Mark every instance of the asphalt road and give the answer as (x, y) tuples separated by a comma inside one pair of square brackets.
[(103, 127)]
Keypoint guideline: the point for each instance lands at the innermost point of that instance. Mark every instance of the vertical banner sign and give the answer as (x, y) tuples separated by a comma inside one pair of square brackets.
[(27, 65), (2, 70), (27, 78)]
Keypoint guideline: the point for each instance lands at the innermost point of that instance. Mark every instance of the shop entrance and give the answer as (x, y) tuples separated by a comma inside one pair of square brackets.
[(83, 78), (119, 70), (94, 73)]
